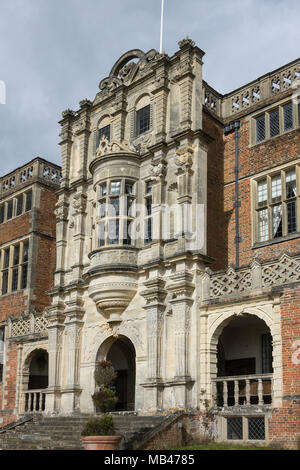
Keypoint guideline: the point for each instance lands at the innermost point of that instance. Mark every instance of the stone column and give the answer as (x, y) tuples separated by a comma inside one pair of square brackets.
[(71, 392), (55, 332), (181, 286), (155, 307), (66, 145)]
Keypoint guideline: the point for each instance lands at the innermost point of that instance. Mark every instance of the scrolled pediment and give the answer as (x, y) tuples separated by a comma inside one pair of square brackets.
[(107, 147)]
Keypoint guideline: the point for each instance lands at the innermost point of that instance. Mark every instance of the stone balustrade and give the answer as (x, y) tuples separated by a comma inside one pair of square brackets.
[(255, 278), (243, 390), (37, 169), (27, 324), (264, 88), (34, 401)]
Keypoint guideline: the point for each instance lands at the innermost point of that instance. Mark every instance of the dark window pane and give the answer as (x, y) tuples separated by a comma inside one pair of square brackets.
[(149, 185), (24, 276), (288, 122), (267, 351), (4, 282), (291, 217), (148, 230), (149, 205), (9, 210), (290, 179), (127, 238), (25, 251), (16, 255), (101, 234), (143, 119), (28, 201), (260, 128), (130, 207), (256, 429), (277, 221), (6, 258), (113, 232), (115, 187), (102, 209), (128, 187), (104, 131), (14, 281), (274, 122), (114, 206), (2, 209), (103, 189), (235, 428), (20, 205)]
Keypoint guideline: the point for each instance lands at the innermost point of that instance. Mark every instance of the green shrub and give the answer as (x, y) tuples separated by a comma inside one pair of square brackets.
[(103, 426), (105, 399), (104, 374)]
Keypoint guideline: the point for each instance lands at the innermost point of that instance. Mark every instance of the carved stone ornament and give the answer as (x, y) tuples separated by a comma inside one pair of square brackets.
[(184, 157), (61, 212), (158, 170), (186, 42), (125, 69), (68, 113), (79, 127), (79, 203), (107, 147)]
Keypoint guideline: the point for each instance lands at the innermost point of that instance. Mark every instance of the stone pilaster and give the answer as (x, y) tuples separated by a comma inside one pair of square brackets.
[(66, 145), (55, 333), (155, 307), (82, 132), (158, 169), (73, 324), (78, 214), (61, 211), (181, 286), (119, 115)]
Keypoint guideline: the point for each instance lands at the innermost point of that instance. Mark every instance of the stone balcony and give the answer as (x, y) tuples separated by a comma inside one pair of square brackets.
[(259, 277)]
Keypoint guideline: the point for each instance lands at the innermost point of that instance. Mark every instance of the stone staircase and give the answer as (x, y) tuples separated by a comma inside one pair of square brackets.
[(38, 432)]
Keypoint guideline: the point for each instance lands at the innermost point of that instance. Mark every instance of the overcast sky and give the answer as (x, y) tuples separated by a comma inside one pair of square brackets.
[(53, 53)]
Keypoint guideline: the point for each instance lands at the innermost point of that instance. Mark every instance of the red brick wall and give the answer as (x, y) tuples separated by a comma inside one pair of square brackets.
[(285, 422), (221, 191), (44, 225)]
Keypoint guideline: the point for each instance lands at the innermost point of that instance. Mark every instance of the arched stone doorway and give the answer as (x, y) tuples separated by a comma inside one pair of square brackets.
[(35, 380), (242, 365), (121, 353)]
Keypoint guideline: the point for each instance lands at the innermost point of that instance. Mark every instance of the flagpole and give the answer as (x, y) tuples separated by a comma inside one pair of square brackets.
[(161, 26)]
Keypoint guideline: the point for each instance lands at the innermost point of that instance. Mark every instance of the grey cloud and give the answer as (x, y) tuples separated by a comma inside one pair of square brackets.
[(54, 53)]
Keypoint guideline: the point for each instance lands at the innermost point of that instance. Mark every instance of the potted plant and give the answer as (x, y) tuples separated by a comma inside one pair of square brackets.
[(98, 432)]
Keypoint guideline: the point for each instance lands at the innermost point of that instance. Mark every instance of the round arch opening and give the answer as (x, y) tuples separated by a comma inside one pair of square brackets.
[(121, 353), (242, 354)]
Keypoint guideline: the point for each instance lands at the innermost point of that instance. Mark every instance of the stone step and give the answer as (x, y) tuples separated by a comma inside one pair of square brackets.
[(64, 432)]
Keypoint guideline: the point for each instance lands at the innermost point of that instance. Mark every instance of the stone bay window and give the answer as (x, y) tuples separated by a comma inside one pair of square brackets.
[(116, 200)]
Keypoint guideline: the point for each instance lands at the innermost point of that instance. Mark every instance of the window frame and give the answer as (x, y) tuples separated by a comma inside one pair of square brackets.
[(273, 202), (104, 219), (267, 113), (13, 271)]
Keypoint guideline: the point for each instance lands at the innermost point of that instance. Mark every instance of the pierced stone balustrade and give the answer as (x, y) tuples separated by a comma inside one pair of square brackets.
[(244, 390), (34, 401), (258, 277)]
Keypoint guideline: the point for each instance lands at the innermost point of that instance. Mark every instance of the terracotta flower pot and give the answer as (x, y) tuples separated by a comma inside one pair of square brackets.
[(101, 442)]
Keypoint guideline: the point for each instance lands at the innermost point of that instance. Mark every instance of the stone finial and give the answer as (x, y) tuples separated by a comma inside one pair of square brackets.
[(186, 42), (85, 102), (68, 113)]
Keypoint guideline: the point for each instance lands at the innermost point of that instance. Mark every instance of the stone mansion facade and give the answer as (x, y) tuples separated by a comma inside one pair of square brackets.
[(177, 252)]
